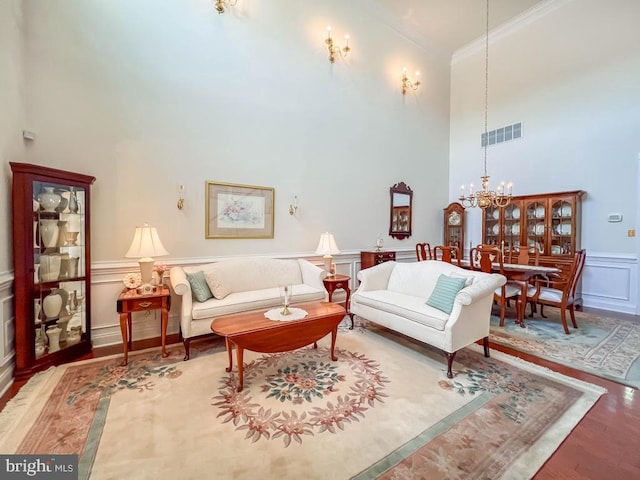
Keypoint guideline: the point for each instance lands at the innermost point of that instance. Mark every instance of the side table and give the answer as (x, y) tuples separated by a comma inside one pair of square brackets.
[(337, 282), (131, 301)]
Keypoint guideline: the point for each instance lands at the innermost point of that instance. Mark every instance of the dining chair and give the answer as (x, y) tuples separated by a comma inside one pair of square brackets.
[(447, 253), (486, 258), (423, 251), (522, 256), (559, 290)]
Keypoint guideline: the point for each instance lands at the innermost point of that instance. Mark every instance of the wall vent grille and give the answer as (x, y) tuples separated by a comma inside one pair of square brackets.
[(503, 134)]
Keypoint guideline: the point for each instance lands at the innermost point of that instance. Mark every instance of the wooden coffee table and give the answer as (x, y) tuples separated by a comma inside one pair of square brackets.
[(253, 331)]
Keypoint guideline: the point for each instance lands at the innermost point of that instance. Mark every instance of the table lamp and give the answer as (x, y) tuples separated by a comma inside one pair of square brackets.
[(146, 244), (327, 247)]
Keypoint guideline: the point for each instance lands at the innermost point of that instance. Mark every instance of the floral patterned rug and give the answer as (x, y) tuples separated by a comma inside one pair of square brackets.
[(606, 347), (384, 409)]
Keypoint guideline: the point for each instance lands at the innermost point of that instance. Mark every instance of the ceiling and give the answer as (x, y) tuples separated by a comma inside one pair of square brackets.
[(452, 24)]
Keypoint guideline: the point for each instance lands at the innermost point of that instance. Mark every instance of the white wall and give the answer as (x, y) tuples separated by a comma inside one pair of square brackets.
[(11, 114), (11, 149), (146, 95), (571, 75)]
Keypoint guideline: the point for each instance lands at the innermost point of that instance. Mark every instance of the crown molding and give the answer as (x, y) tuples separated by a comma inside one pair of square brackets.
[(502, 31)]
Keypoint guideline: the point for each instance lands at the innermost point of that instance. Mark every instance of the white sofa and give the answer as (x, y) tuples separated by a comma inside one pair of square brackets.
[(241, 285), (394, 295)]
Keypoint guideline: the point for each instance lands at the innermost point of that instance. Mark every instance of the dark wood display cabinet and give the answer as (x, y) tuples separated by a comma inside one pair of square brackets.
[(51, 264), (550, 223), (370, 259)]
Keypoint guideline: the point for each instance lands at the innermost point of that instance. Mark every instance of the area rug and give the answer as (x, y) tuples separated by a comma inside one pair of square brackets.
[(385, 409), (603, 346)]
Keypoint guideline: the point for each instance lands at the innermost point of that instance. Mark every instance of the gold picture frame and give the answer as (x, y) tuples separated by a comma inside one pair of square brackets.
[(238, 211)]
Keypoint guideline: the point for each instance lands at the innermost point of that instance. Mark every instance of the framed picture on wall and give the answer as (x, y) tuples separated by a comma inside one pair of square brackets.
[(238, 211)]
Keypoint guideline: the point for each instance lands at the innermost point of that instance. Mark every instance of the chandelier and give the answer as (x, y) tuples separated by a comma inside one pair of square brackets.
[(485, 197)]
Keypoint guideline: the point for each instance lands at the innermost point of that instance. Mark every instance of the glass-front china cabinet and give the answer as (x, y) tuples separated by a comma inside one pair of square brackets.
[(549, 223), (51, 263)]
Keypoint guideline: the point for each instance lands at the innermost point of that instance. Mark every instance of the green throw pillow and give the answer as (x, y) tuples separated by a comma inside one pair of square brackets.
[(445, 293), (199, 286)]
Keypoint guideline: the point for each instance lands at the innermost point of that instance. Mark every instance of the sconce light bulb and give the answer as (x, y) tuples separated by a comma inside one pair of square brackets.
[(417, 74), (404, 69), (328, 31)]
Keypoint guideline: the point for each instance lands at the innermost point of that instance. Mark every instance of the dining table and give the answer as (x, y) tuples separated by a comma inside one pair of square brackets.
[(520, 274)]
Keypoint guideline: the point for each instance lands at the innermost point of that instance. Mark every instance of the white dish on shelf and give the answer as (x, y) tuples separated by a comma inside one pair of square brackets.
[(515, 213), (566, 211), (496, 229), (565, 228), (515, 229), (533, 244), (556, 249), (539, 212), (539, 228), (495, 214)]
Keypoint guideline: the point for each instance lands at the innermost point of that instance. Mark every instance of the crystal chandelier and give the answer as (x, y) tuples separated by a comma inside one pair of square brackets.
[(485, 197)]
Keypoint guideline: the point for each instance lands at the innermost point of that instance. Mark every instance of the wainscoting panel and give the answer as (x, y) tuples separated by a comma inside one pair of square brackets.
[(610, 282), (7, 331)]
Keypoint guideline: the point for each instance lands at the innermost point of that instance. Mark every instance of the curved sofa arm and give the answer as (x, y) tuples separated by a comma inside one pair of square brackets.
[(375, 278), (480, 287), (312, 275), (182, 287)]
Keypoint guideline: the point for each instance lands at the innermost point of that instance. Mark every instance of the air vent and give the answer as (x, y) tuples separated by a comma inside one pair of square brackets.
[(504, 134)]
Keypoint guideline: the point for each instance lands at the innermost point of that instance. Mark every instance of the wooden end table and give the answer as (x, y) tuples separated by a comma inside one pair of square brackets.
[(337, 282), (131, 301)]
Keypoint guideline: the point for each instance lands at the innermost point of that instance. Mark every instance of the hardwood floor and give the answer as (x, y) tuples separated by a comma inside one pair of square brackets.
[(604, 445)]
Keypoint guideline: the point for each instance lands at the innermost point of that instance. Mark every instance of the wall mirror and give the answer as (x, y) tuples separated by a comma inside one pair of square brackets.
[(400, 219)]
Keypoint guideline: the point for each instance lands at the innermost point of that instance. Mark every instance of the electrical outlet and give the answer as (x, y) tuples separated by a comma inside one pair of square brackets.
[(631, 232)]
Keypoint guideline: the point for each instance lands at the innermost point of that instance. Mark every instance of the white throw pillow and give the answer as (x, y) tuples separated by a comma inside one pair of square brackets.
[(468, 278), (216, 286)]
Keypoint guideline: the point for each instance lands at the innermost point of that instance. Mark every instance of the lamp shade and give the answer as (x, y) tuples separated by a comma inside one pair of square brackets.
[(327, 245), (146, 243)]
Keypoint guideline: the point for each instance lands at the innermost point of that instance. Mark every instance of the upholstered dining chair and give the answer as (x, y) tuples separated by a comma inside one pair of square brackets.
[(447, 253), (559, 290), (423, 251), (483, 258)]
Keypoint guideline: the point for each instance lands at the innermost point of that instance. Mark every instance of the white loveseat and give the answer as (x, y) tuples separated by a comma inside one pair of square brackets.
[(394, 295), (241, 285)]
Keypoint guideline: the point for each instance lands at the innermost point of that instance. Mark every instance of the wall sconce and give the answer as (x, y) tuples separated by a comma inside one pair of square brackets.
[(333, 48), (293, 207), (408, 84), (220, 4), (180, 197)]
